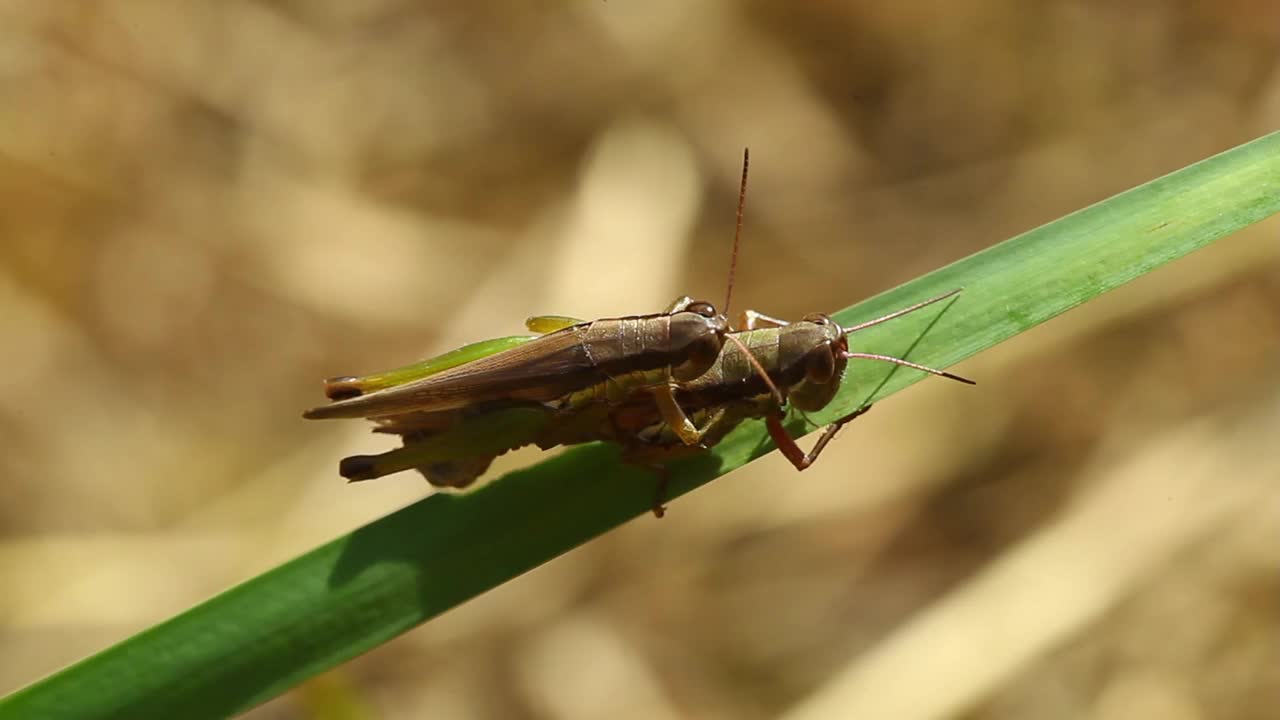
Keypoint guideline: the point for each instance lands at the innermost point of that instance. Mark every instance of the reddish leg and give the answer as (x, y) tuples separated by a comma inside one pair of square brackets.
[(792, 451)]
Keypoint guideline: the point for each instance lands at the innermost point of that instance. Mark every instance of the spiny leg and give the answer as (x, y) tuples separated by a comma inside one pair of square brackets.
[(787, 444)]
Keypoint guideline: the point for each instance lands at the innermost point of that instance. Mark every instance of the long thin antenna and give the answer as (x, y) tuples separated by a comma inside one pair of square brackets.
[(900, 313), (907, 363), (900, 361), (733, 268), (737, 232)]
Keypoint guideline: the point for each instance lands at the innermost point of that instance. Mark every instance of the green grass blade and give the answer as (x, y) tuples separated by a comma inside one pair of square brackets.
[(339, 600)]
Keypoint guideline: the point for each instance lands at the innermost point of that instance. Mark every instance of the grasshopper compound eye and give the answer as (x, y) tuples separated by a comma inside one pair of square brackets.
[(818, 319), (820, 365), (705, 309)]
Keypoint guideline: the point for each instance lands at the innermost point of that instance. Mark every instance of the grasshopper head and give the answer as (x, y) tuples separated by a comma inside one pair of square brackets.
[(697, 334), (827, 358), (818, 345)]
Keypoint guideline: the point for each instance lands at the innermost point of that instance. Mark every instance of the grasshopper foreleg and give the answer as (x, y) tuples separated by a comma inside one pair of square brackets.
[(787, 444)]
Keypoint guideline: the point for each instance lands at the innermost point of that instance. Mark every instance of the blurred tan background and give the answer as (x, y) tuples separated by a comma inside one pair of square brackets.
[(209, 206)]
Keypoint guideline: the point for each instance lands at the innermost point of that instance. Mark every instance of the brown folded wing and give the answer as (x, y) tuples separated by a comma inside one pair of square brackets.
[(538, 371)]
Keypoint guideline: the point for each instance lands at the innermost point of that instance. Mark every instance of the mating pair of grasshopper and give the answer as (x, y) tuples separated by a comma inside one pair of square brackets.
[(657, 385)]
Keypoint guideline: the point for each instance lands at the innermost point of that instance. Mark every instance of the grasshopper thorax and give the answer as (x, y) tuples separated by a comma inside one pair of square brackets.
[(697, 334)]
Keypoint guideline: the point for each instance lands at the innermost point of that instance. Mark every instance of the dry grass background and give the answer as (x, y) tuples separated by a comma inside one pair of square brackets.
[(208, 206)]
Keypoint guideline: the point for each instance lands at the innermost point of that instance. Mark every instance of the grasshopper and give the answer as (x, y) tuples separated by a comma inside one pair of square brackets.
[(575, 365), (653, 412), (770, 366), (681, 343), (762, 372)]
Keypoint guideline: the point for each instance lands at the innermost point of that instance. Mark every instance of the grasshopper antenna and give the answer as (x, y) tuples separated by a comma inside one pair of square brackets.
[(900, 361), (737, 232), (903, 311), (907, 363), (733, 267)]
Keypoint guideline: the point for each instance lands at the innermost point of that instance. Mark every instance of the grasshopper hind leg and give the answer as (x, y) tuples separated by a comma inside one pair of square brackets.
[(457, 473)]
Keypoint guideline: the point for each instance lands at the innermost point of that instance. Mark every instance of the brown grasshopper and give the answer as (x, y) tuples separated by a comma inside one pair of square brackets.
[(761, 372), (769, 367), (654, 413), (575, 365)]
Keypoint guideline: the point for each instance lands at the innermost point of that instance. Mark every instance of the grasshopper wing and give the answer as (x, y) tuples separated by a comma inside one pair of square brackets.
[(550, 323), (539, 370), (341, 388)]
